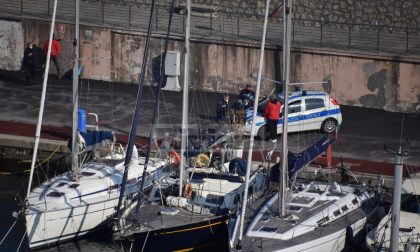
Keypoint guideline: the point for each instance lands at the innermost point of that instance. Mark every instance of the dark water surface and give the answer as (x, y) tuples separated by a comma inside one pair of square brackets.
[(13, 185)]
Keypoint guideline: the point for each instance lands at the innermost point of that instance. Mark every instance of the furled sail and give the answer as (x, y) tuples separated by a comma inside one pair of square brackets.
[(297, 161)]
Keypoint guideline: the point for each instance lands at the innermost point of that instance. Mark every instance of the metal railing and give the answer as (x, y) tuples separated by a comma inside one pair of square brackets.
[(224, 26)]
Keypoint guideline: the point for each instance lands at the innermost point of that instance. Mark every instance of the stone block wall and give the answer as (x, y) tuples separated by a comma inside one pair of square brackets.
[(393, 13)]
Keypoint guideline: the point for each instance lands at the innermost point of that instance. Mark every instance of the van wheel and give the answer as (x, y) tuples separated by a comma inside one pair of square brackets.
[(329, 126), (263, 133)]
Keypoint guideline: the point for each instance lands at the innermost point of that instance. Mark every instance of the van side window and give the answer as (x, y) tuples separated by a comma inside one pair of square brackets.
[(294, 107), (314, 103)]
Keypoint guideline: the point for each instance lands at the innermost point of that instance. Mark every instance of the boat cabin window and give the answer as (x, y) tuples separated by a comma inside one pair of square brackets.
[(314, 103), (354, 201), (410, 203), (323, 220), (113, 187), (61, 184), (132, 181), (55, 194), (337, 213), (344, 208), (87, 174), (73, 185), (214, 199)]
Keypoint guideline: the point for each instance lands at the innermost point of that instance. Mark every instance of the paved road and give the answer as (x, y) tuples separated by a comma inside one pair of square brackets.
[(362, 135)]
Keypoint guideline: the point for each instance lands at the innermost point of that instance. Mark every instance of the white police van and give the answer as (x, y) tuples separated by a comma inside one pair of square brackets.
[(308, 110)]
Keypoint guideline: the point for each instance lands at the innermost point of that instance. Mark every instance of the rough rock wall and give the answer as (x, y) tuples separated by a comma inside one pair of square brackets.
[(368, 12), (374, 12), (11, 45)]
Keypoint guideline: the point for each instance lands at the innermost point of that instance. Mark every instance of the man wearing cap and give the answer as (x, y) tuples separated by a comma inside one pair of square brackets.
[(272, 113), (247, 93)]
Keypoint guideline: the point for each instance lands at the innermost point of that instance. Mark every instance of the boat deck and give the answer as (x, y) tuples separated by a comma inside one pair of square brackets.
[(150, 218), (267, 244)]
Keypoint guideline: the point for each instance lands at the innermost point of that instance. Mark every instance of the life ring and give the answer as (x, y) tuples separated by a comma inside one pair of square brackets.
[(176, 158)]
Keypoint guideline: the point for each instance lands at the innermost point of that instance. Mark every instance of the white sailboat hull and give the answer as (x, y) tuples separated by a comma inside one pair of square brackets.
[(331, 242), (54, 226), (60, 209)]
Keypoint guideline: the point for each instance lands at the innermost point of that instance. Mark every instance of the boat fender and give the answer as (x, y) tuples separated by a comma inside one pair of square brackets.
[(202, 160), (176, 201), (176, 158), (188, 191)]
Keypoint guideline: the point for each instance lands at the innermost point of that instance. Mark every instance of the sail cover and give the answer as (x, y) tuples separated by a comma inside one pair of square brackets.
[(94, 139), (297, 161)]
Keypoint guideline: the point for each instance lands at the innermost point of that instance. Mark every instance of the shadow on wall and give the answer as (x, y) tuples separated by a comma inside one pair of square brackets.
[(375, 81)]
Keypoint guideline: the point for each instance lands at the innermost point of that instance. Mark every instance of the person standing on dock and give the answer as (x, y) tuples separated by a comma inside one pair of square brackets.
[(55, 53), (272, 113), (222, 109), (29, 64), (247, 93)]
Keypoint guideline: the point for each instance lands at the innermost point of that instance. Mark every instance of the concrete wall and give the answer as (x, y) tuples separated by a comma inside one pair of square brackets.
[(107, 54), (362, 81), (11, 45)]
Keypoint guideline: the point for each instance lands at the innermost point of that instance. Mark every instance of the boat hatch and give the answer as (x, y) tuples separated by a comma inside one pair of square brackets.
[(344, 208), (55, 194), (354, 201), (302, 200), (268, 229), (87, 174), (75, 185), (294, 209)]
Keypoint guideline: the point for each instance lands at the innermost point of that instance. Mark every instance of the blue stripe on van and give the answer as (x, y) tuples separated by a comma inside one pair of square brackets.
[(308, 116)]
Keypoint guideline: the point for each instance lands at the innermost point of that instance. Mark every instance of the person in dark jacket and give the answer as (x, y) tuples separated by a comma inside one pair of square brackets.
[(247, 104), (55, 53), (222, 109), (247, 93), (272, 113), (29, 63)]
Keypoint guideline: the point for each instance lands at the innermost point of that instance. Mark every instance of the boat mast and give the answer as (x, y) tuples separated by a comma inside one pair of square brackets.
[(133, 130), (184, 129), (155, 111), (251, 140), (74, 150), (396, 201), (287, 17), (41, 107)]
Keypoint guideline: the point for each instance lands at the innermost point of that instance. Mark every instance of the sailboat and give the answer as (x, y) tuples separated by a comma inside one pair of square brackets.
[(305, 216), (199, 215), (399, 229), (85, 199)]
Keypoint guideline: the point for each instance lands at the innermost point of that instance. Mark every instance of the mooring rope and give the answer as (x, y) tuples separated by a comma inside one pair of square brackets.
[(20, 244), (10, 229)]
